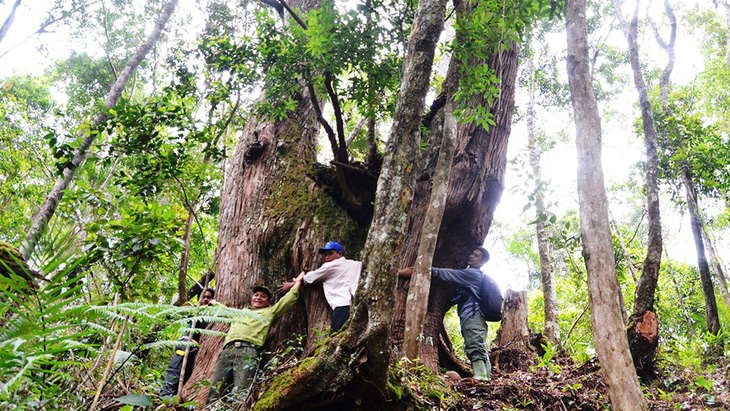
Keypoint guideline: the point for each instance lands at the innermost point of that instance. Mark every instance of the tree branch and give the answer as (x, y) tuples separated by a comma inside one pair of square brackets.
[(341, 154), (320, 118), (9, 21)]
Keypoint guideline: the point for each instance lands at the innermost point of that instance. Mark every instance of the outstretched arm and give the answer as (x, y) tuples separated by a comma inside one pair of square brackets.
[(298, 281)]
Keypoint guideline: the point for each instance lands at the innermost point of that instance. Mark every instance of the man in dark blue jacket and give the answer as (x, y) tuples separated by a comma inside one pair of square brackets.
[(473, 325)]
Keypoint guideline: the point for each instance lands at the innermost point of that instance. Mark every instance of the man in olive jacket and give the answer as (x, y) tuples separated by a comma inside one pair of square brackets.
[(239, 359)]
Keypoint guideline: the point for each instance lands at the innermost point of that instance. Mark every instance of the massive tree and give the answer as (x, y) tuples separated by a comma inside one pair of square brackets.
[(611, 343)]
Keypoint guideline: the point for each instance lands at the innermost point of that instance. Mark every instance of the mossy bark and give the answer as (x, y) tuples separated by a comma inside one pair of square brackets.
[(356, 364), (474, 191)]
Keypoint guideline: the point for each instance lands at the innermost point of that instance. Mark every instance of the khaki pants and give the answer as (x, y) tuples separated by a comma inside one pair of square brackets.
[(236, 366)]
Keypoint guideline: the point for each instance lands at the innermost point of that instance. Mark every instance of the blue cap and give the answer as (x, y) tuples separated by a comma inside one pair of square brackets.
[(332, 245)]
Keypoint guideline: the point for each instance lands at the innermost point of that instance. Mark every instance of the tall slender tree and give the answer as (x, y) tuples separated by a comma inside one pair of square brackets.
[(547, 272), (611, 343), (41, 219), (643, 328)]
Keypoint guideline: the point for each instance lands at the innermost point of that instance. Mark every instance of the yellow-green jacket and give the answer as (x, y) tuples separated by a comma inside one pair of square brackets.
[(253, 328)]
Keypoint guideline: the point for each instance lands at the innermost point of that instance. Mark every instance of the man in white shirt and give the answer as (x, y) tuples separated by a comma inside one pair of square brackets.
[(339, 277)]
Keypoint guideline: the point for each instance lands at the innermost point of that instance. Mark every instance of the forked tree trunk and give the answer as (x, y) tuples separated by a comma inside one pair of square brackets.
[(547, 273), (41, 219), (711, 316), (643, 331), (475, 188), (611, 343), (362, 353)]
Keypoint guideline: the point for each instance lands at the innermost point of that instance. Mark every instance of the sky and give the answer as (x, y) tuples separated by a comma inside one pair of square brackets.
[(621, 148)]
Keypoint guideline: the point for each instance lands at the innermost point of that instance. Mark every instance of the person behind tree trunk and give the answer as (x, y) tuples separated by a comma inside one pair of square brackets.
[(339, 277), (473, 325), (239, 360), (172, 374)]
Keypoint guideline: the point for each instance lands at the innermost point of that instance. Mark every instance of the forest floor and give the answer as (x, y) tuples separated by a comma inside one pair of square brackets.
[(522, 382)]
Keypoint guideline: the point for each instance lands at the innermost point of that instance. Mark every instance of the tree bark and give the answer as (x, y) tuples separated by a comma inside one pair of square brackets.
[(643, 328), (547, 273), (716, 265), (182, 274), (46, 211), (711, 315), (474, 191), (420, 285), (513, 331), (667, 46), (611, 343), (363, 350)]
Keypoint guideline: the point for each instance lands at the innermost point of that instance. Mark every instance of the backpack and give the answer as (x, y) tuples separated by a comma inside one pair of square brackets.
[(490, 299)]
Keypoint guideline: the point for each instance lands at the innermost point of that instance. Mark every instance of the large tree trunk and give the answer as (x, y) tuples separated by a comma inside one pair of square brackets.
[(474, 191), (362, 352), (41, 219), (643, 331), (547, 273), (611, 343), (711, 316)]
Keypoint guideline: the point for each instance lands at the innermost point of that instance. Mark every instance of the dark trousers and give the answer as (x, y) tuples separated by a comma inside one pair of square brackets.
[(340, 315), (236, 366), (174, 369)]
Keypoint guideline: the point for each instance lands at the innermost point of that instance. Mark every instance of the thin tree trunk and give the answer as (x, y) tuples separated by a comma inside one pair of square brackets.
[(727, 37), (667, 46), (9, 20), (182, 275), (680, 297), (711, 316), (41, 219), (547, 273), (420, 285), (716, 266), (611, 343), (627, 256), (643, 331)]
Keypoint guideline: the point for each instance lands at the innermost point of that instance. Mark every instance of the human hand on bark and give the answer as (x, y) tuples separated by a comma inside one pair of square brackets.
[(285, 286), (405, 272)]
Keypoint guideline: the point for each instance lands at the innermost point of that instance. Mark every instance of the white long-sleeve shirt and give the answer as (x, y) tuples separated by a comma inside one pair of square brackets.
[(339, 280)]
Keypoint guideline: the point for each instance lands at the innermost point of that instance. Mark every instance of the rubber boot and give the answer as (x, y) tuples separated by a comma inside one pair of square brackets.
[(480, 370)]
